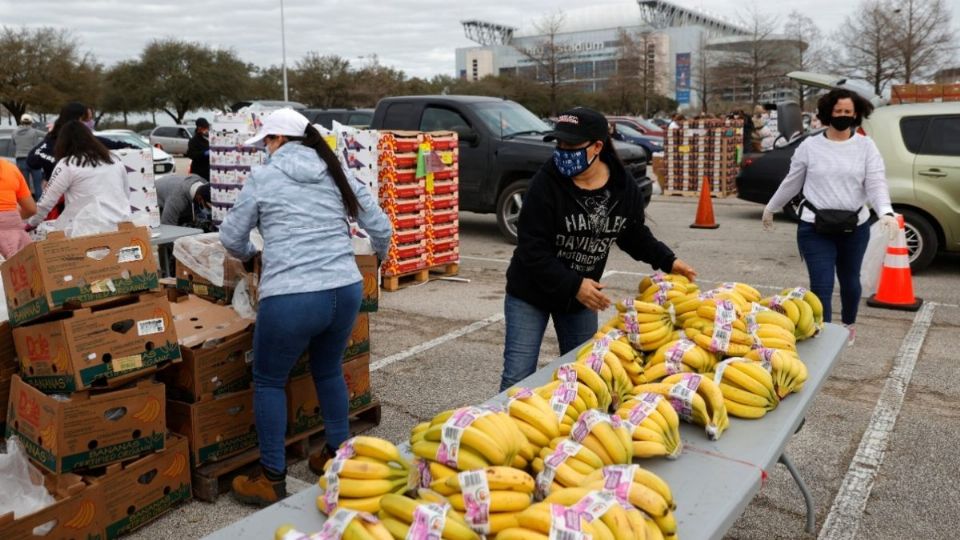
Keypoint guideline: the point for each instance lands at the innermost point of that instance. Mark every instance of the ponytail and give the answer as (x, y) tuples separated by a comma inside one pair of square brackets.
[(314, 140)]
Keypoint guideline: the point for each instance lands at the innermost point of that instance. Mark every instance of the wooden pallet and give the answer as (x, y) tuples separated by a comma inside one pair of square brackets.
[(212, 479), (395, 283)]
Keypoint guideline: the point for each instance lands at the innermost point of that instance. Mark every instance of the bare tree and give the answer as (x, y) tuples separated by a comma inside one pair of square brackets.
[(869, 48), (760, 64), (702, 72), (922, 35), (807, 51), (550, 55)]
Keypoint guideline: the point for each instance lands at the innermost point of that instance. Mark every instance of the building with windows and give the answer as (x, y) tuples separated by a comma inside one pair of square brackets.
[(590, 52)]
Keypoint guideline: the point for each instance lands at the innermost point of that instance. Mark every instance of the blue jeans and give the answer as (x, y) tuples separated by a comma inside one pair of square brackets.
[(525, 326), (829, 254), (288, 325), (34, 177)]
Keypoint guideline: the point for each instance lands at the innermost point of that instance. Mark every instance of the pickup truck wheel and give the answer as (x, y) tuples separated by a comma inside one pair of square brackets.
[(922, 242), (508, 209)]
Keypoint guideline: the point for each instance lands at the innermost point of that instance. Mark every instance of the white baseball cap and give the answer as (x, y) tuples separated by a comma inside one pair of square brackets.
[(26, 119), (280, 122)]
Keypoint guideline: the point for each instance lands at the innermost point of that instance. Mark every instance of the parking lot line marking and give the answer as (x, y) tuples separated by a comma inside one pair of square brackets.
[(848, 506), (427, 345)]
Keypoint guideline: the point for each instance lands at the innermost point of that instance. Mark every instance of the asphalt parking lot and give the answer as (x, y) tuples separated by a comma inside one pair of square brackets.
[(438, 345)]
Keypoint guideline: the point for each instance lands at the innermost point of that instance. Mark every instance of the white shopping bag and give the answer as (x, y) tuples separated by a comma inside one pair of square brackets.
[(873, 260)]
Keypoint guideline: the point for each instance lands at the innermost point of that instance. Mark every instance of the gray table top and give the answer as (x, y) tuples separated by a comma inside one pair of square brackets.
[(712, 481), (166, 234)]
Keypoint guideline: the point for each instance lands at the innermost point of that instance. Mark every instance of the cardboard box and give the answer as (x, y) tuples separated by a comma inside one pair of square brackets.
[(357, 344), (217, 349), (367, 264), (357, 374), (8, 367), (98, 347), (44, 276), (87, 430), (189, 281), (137, 493), (78, 512), (216, 428), (303, 407)]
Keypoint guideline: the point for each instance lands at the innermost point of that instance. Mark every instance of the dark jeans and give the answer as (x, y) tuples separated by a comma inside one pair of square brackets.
[(33, 177), (525, 327), (827, 255), (288, 325)]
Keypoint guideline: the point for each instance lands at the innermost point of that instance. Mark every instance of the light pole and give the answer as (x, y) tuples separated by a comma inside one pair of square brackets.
[(283, 46)]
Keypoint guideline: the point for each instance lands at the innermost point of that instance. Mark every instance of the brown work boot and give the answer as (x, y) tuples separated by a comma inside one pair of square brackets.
[(319, 459), (260, 489)]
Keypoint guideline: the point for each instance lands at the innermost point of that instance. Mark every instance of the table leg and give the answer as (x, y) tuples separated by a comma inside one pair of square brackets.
[(807, 497)]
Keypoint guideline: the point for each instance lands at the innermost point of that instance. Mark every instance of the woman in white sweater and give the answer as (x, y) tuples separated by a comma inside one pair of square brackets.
[(89, 179), (838, 169)]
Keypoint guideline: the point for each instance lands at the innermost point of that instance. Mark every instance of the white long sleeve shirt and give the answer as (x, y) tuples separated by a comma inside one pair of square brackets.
[(836, 175), (104, 189)]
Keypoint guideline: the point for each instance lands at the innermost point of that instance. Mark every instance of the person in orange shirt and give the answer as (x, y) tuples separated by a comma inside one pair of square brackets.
[(16, 204)]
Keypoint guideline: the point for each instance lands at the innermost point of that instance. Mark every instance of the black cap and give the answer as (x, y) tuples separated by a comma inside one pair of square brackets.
[(204, 192), (202, 123), (578, 126)]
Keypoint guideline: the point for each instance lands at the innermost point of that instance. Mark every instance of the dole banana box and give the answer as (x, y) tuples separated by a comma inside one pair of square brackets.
[(217, 349), (189, 281), (58, 272), (78, 513), (367, 264), (103, 346), (303, 407), (216, 428), (137, 493), (8, 367), (65, 434), (357, 344)]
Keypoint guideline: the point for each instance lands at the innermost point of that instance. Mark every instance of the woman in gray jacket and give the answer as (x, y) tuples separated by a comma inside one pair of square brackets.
[(310, 287)]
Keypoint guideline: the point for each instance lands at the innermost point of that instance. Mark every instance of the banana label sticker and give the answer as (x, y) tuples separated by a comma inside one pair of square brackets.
[(331, 495), (674, 356), (618, 479), (130, 254), (452, 432), (646, 403), (681, 395), (476, 499), (126, 363), (150, 327), (565, 524), (723, 326), (428, 522), (722, 366), (336, 525), (566, 449), (587, 421), (595, 504), (563, 396)]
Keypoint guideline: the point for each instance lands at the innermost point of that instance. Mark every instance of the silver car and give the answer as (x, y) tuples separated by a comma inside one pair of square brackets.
[(172, 139), (162, 162)]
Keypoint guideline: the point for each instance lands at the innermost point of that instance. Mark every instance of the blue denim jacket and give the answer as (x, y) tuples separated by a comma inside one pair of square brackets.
[(295, 203)]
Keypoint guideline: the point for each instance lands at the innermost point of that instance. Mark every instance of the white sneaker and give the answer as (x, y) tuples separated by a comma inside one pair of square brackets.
[(852, 329)]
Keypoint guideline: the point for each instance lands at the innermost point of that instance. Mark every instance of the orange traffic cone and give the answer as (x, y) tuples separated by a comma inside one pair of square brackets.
[(895, 289), (705, 218)]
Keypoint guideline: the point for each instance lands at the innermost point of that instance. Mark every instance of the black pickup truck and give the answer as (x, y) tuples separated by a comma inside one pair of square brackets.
[(501, 148)]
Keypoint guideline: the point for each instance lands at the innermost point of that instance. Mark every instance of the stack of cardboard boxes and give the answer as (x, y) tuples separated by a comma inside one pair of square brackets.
[(90, 329), (442, 160), (925, 93), (143, 190), (703, 150), (230, 162)]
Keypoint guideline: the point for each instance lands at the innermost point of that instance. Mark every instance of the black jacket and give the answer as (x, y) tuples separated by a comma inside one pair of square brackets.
[(556, 248), (198, 150), (41, 157)]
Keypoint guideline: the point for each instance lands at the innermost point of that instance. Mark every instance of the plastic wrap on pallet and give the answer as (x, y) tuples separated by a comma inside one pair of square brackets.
[(230, 161)]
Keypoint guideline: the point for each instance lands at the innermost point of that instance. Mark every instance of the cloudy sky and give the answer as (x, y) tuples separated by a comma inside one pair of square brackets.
[(417, 36)]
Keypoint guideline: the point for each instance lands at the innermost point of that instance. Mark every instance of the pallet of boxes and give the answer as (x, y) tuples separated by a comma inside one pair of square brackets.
[(707, 150), (210, 393), (419, 190), (91, 329)]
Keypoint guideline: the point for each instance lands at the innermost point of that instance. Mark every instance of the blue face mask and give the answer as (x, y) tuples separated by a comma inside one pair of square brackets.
[(572, 162)]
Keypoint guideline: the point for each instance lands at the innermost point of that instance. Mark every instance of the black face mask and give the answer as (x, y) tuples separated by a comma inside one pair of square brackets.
[(842, 123)]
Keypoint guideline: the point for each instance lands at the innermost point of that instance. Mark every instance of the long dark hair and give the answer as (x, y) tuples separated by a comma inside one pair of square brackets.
[(312, 139), (68, 113), (75, 141)]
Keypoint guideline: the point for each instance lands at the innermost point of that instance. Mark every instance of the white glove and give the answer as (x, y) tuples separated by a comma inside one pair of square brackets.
[(767, 220), (891, 226)]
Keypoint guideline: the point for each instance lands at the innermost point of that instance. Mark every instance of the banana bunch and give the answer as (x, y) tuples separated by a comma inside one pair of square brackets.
[(648, 326), (726, 339), (630, 359), (748, 293), (653, 425), (346, 524), (414, 518), (623, 520), (362, 472), (642, 489), (470, 438), (578, 372), (747, 388), (599, 357), (787, 370), (679, 356), (771, 329), (535, 418), (675, 279), (696, 398), (802, 307), (490, 498), (548, 520), (564, 463), (684, 307), (568, 400), (728, 293), (661, 291), (603, 434)]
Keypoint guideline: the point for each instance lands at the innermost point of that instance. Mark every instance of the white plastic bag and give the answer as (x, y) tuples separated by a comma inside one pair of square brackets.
[(23, 492), (242, 303), (873, 260), (89, 219), (202, 253)]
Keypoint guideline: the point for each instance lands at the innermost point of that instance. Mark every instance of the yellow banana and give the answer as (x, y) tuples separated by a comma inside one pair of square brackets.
[(500, 501), (501, 479)]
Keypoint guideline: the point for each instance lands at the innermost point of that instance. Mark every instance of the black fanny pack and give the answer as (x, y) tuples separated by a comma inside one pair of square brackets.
[(835, 222)]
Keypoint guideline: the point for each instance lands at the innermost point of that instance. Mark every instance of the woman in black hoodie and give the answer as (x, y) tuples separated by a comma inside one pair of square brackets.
[(578, 204)]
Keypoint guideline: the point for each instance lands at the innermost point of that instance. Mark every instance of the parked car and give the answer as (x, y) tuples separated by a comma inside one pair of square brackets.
[(172, 139), (267, 104), (162, 162), (650, 145), (8, 150), (349, 117), (920, 145), (644, 126)]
